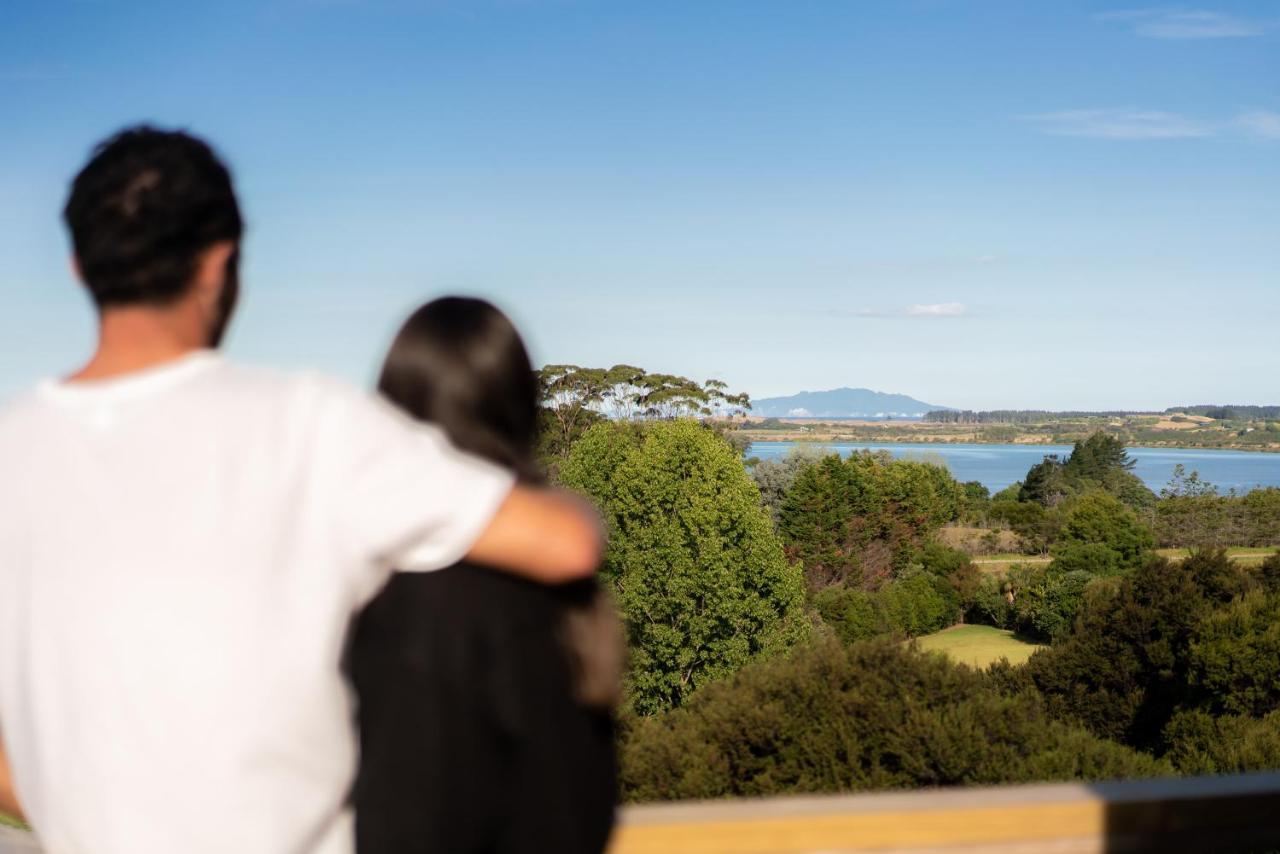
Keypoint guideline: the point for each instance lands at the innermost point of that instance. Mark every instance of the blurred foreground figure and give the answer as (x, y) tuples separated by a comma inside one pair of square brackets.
[(485, 700), (183, 541)]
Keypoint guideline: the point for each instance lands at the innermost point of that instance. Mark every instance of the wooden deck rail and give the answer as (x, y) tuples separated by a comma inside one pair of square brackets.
[(1204, 814)]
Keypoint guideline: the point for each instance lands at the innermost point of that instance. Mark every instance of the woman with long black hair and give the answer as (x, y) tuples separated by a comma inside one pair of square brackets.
[(485, 702)]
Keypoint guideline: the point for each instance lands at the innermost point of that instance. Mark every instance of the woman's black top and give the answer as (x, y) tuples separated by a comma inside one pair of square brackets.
[(471, 741)]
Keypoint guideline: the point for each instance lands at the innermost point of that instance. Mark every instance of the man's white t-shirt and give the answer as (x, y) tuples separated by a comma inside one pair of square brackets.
[(180, 552)]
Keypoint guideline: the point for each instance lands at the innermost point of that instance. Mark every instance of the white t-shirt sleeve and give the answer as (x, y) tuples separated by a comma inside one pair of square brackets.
[(406, 498)]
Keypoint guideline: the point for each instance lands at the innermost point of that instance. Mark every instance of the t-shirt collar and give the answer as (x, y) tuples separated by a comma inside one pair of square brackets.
[(135, 384)]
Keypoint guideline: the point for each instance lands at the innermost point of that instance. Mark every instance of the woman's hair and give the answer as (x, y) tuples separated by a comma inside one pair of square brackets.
[(460, 364)]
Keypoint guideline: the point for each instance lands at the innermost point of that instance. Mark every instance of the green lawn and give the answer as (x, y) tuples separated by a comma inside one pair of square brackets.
[(979, 646)]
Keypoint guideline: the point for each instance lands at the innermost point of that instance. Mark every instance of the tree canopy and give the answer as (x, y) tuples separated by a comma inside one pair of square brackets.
[(699, 574)]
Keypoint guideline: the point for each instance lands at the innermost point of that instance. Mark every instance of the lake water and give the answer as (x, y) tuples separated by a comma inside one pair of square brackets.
[(997, 466)]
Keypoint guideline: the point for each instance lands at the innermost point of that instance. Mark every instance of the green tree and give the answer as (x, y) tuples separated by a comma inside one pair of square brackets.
[(1098, 518), (858, 520), (1127, 665), (1122, 671), (775, 477), (700, 577)]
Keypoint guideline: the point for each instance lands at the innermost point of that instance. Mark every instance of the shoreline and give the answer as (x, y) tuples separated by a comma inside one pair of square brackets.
[(832, 438)]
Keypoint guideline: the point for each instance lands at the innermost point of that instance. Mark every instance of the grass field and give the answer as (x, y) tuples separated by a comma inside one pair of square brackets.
[(1000, 562), (978, 646), (1241, 555)]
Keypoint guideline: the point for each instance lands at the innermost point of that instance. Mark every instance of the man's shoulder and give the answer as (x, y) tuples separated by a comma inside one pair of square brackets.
[(20, 410), (306, 394)]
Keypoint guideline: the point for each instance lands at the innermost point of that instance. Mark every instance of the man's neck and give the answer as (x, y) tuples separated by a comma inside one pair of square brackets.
[(136, 338)]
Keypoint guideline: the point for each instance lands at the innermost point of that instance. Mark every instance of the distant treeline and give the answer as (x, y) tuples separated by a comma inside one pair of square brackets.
[(1230, 411), (1017, 416)]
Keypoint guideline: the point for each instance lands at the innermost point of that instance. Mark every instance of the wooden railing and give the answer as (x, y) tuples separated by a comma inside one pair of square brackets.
[(1204, 814)]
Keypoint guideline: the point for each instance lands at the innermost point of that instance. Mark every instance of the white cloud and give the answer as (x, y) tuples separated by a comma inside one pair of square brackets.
[(1121, 124), (1184, 24), (940, 309), (1260, 123)]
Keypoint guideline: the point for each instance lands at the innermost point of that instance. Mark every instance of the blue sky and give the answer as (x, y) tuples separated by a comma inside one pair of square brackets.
[(981, 204)]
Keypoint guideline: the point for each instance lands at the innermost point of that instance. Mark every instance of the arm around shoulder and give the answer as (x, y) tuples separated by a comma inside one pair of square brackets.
[(547, 535), (8, 798)]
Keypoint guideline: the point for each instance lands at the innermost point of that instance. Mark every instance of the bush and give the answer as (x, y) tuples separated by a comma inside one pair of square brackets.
[(851, 613), (1269, 573), (873, 716), (1097, 559), (917, 603), (1198, 743), (1122, 671), (990, 605), (1046, 600), (1235, 658), (1098, 519)]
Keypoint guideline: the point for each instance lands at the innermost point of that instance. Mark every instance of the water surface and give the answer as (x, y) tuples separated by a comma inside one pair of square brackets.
[(997, 466)]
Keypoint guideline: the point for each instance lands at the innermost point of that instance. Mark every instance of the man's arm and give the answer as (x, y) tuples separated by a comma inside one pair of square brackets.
[(8, 799), (547, 535)]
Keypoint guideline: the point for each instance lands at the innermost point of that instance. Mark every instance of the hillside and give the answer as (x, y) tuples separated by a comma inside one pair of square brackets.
[(842, 403)]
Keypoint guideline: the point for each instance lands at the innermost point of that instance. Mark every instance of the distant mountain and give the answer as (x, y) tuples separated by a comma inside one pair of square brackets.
[(842, 403)]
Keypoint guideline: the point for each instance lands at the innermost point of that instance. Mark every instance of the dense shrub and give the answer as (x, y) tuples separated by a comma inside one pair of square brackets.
[(1123, 669), (990, 605), (1046, 600), (917, 603), (1198, 743), (1127, 666), (1269, 574), (1099, 520), (877, 715), (1097, 559), (850, 612), (1235, 657), (699, 574)]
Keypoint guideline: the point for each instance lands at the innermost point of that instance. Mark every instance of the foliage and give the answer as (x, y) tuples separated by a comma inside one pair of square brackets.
[(574, 397), (1199, 743), (858, 519), (1099, 519), (1197, 517), (1034, 525), (1046, 600), (877, 715), (1099, 462), (1269, 574), (1127, 665), (699, 574), (1235, 658), (775, 477), (916, 603)]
